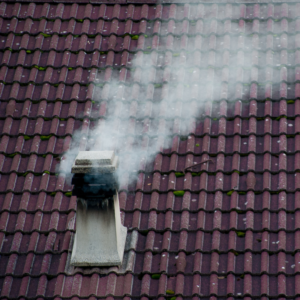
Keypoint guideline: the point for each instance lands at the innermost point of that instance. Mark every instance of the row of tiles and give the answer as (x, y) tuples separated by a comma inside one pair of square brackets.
[(155, 92), (219, 112), (203, 181), (229, 164), (198, 131), (188, 286), (256, 264), (162, 27), (266, 62), (284, 147), (170, 42), (139, 202), (211, 117), (139, 12), (180, 228), (69, 76), (165, 212), (144, 123)]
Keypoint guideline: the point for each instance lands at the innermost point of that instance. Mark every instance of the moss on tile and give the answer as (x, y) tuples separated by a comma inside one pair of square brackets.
[(40, 68), (179, 174), (45, 35), (178, 193), (45, 137), (196, 173), (230, 193), (280, 117), (240, 233)]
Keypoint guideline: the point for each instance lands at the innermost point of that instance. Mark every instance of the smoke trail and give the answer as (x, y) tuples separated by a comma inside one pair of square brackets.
[(163, 93)]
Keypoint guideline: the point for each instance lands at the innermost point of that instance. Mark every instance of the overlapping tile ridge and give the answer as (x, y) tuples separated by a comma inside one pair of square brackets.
[(227, 228), (139, 2)]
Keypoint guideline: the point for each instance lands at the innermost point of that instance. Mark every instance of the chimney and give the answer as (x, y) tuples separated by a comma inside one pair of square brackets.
[(100, 237)]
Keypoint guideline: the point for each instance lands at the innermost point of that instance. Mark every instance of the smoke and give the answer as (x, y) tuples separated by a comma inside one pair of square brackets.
[(164, 91)]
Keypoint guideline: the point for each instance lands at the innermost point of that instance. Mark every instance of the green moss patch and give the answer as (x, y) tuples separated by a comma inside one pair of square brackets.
[(178, 193)]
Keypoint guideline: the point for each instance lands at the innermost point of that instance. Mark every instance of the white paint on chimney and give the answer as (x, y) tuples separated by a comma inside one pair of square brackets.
[(100, 237), (95, 162)]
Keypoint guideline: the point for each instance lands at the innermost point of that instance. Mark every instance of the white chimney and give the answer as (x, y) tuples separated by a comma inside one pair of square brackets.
[(100, 237)]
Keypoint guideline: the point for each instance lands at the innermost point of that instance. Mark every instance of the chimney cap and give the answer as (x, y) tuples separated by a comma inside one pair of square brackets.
[(95, 157), (95, 162)]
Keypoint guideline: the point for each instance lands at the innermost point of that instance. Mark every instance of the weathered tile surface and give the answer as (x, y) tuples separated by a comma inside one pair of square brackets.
[(235, 231)]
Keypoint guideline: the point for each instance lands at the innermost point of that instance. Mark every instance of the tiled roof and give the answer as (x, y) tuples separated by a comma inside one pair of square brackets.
[(234, 231)]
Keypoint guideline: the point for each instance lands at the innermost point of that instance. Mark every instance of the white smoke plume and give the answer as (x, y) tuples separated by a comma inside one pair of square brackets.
[(165, 91)]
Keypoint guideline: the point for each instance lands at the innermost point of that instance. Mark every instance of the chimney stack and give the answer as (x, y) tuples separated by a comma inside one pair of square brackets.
[(100, 237)]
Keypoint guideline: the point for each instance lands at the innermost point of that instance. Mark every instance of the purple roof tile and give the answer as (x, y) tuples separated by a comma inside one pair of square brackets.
[(234, 232)]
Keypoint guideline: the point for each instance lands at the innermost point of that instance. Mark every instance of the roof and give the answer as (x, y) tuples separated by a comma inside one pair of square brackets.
[(234, 231)]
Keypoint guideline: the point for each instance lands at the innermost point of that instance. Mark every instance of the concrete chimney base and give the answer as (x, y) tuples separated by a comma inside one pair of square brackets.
[(100, 237)]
